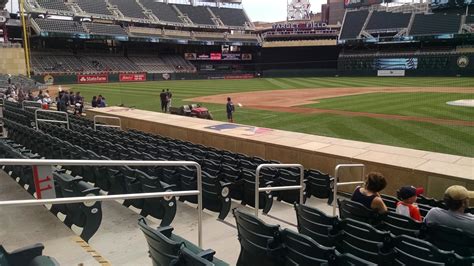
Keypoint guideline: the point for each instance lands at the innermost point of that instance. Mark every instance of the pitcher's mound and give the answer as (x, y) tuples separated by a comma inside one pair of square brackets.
[(465, 103)]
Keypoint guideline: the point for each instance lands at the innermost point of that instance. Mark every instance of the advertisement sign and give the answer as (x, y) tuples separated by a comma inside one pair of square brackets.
[(310, 25), (44, 182), (216, 56), (396, 63), (247, 57), (190, 56), (243, 76), (391, 73), (99, 78), (203, 57), (132, 77), (231, 57), (48, 80)]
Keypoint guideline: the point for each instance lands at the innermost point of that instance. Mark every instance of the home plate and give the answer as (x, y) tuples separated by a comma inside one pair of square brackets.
[(465, 103)]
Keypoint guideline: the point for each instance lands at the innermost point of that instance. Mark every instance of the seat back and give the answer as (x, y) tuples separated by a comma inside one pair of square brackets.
[(188, 258), (288, 178), (315, 224), (357, 211), (349, 259), (260, 243), (302, 250), (399, 224), (162, 249), (319, 184), (364, 241), (450, 239), (414, 251), (390, 202)]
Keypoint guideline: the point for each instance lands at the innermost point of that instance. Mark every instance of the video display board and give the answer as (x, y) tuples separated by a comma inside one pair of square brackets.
[(396, 63)]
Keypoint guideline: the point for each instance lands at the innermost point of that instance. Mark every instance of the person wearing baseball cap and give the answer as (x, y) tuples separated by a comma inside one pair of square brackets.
[(407, 204), (457, 201)]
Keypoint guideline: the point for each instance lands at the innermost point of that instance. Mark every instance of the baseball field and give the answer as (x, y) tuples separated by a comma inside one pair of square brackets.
[(404, 112)]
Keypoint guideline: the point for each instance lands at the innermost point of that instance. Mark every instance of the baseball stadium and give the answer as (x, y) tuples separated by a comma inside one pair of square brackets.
[(200, 132)]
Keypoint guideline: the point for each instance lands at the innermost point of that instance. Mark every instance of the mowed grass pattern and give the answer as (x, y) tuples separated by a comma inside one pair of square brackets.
[(417, 135), (422, 104)]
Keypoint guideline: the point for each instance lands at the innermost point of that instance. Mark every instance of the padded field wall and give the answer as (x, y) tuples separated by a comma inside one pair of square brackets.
[(433, 171), (12, 61)]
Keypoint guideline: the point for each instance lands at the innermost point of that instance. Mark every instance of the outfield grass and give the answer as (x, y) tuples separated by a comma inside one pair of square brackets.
[(422, 104), (417, 135)]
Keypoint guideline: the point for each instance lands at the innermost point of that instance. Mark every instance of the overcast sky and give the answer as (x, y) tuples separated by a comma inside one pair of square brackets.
[(258, 10)]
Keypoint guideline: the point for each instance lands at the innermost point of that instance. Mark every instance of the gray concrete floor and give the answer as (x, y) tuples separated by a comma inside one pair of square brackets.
[(119, 240)]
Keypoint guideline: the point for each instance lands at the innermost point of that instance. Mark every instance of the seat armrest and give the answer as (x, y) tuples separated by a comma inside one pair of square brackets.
[(24, 255), (207, 254), (167, 186), (225, 184)]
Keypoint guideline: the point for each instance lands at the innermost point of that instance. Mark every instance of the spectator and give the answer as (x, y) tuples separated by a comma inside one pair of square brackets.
[(369, 195), (99, 100), (79, 100), (230, 109), (40, 95), (101, 103), (64, 101), (94, 101), (72, 99), (47, 98), (407, 206), (58, 100), (30, 96), (169, 95), (457, 201), (163, 100)]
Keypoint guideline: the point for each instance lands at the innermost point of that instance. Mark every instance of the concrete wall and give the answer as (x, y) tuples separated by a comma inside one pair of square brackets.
[(399, 165)]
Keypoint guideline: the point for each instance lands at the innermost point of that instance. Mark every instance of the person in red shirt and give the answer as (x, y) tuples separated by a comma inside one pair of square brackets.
[(407, 206)]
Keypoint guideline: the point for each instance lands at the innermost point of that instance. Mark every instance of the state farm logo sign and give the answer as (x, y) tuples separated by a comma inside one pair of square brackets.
[(102, 78)]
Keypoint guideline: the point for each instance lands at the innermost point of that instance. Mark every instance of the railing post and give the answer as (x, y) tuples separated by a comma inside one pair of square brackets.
[(108, 117), (41, 162), (300, 187), (51, 120), (337, 184)]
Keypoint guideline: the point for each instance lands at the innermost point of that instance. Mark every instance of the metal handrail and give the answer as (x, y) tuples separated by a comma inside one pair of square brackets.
[(338, 184), (33, 104), (108, 117), (38, 162), (50, 120), (258, 189)]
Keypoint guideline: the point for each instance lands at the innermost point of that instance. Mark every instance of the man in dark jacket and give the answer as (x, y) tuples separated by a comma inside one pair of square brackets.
[(164, 100)]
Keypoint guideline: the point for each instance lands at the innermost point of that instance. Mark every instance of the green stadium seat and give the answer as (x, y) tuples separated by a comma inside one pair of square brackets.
[(302, 250), (354, 210), (450, 239), (315, 224), (400, 225), (260, 243), (363, 241), (26, 256), (413, 251), (165, 247)]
